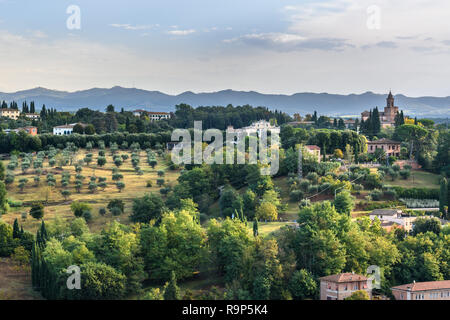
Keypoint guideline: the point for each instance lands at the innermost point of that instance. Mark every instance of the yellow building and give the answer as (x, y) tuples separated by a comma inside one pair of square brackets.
[(10, 113)]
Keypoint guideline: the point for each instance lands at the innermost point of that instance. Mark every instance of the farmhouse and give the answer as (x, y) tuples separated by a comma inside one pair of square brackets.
[(30, 130), (313, 149), (390, 147), (342, 285), (154, 116), (9, 113)]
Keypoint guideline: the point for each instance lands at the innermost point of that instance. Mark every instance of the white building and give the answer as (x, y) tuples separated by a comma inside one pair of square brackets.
[(153, 116), (395, 216), (256, 127), (65, 129), (156, 116), (32, 116)]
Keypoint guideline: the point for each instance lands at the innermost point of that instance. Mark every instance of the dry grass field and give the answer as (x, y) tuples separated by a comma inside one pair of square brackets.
[(57, 206), (15, 282)]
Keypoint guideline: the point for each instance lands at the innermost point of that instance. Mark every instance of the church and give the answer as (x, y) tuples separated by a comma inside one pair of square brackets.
[(387, 117)]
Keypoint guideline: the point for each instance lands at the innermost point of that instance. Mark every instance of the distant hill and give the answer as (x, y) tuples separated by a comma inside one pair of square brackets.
[(324, 103)]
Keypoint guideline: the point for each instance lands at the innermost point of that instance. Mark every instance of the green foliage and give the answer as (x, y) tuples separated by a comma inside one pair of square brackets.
[(344, 202), (78, 208), (359, 295), (149, 207), (302, 285), (37, 211), (171, 291)]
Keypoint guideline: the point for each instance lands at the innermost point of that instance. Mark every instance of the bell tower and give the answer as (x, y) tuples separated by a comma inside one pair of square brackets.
[(390, 100)]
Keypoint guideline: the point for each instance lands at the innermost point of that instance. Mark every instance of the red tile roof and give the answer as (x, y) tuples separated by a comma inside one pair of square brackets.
[(423, 286), (344, 277), (312, 147)]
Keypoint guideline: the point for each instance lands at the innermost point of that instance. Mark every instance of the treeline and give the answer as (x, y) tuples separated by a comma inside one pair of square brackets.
[(288, 265), (221, 117), (25, 143)]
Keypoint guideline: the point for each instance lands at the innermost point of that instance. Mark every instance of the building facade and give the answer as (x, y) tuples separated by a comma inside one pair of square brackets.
[(343, 285), (431, 290), (32, 116), (313, 149), (30, 130), (9, 113), (63, 130), (153, 116), (390, 147)]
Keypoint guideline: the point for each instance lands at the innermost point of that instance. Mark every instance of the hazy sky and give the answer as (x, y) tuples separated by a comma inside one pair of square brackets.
[(335, 46)]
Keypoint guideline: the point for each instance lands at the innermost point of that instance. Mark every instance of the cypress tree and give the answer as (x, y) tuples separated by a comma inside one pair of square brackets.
[(255, 228), (172, 291), (44, 235), (16, 230), (443, 195)]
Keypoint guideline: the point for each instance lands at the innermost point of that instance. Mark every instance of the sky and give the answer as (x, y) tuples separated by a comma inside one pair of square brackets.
[(276, 46)]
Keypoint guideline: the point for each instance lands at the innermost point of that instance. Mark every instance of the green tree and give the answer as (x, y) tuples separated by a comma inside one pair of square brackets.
[(37, 211), (344, 202), (78, 208), (172, 292), (359, 295), (149, 207), (302, 285), (3, 199), (267, 211), (255, 228), (443, 194)]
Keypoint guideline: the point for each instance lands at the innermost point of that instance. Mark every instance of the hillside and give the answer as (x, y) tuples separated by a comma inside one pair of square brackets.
[(324, 103)]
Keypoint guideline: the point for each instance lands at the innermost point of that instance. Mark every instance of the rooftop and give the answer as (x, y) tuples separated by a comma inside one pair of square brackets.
[(423, 286), (312, 147), (383, 141), (344, 277), (386, 212)]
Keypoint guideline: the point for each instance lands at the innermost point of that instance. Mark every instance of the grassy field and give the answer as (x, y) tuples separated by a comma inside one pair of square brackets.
[(418, 179), (57, 206)]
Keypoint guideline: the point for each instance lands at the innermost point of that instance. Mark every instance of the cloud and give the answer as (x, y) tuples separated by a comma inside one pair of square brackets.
[(181, 32), (290, 42), (386, 44), (127, 26)]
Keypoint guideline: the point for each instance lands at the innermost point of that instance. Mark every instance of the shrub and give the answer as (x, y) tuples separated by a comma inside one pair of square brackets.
[(417, 193), (376, 194), (87, 215), (149, 184), (102, 211), (116, 203), (405, 174), (296, 195), (304, 203), (37, 211), (79, 207)]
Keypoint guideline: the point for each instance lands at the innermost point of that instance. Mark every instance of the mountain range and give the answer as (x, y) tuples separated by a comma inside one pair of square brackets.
[(303, 103)]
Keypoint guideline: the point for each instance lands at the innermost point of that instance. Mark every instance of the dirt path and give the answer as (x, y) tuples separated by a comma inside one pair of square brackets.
[(15, 284)]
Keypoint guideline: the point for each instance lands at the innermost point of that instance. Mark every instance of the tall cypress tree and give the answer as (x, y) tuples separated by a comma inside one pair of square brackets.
[(255, 228), (172, 291), (16, 230), (376, 123), (443, 195)]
